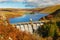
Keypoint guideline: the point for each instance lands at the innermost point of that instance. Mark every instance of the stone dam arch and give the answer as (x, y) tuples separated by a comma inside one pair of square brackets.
[(28, 27)]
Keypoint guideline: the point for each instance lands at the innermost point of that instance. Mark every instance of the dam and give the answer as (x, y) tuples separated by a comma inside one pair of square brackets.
[(28, 22), (29, 26)]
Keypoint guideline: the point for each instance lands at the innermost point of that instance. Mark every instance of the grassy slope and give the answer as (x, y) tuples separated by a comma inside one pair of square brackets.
[(51, 9)]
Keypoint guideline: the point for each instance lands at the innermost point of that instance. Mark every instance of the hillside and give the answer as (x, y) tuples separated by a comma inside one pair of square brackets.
[(11, 12), (8, 32), (51, 9)]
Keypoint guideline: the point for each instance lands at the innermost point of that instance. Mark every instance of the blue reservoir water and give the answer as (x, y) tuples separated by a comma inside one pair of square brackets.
[(27, 17)]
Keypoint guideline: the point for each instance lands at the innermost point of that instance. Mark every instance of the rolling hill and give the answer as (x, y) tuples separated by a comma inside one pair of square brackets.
[(11, 12), (51, 9)]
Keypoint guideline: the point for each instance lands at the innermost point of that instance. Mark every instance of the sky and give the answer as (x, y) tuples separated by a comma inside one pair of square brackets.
[(27, 3)]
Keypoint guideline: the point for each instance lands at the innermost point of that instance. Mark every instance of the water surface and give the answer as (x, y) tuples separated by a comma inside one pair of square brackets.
[(27, 17)]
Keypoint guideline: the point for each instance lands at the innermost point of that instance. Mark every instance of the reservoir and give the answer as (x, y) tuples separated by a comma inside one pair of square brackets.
[(27, 17)]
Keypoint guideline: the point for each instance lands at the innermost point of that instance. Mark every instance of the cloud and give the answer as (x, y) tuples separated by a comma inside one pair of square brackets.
[(39, 3), (2, 0), (35, 1), (45, 3), (23, 0), (18, 0)]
